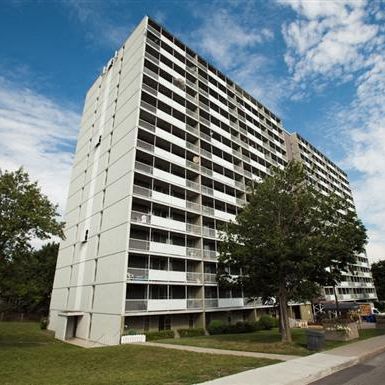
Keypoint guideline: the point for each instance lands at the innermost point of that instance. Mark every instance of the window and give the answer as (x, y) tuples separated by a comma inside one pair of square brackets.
[(85, 236)]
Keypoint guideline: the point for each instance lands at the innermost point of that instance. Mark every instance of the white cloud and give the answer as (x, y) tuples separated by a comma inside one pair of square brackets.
[(226, 38), (333, 42), (100, 29), (38, 134), (330, 38), (231, 35)]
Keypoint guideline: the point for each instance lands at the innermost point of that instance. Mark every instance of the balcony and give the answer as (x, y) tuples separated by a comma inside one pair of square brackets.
[(210, 255), (166, 304), (164, 248), (144, 274), (230, 302), (211, 303), (139, 305), (210, 278)]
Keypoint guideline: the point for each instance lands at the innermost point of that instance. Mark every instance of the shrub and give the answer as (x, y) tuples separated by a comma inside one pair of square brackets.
[(267, 322), (132, 332), (241, 327), (43, 323), (162, 334), (191, 332), (216, 327)]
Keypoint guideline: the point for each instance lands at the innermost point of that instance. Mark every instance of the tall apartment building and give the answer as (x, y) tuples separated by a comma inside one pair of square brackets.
[(328, 178), (166, 148)]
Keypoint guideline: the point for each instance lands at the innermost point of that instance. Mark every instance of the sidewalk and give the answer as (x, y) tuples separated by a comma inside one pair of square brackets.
[(196, 349), (304, 370)]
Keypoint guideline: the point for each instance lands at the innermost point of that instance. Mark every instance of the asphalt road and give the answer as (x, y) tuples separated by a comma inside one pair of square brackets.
[(371, 372)]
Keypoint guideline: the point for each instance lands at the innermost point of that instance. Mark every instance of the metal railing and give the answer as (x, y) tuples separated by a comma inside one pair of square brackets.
[(148, 106), (142, 191), (139, 217), (194, 229), (145, 145), (193, 303), (136, 304), (194, 277), (210, 255), (193, 252), (146, 125), (211, 302), (139, 244), (139, 166), (209, 232), (137, 274), (210, 278)]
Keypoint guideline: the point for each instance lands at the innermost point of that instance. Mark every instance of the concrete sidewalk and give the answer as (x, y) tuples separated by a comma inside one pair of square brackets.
[(241, 353), (304, 370)]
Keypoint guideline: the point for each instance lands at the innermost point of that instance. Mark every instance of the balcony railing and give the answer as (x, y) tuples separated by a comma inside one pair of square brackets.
[(194, 303), (210, 278), (194, 277), (210, 255), (211, 302), (136, 304)]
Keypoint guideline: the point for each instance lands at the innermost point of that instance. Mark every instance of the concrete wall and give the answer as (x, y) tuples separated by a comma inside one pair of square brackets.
[(91, 274)]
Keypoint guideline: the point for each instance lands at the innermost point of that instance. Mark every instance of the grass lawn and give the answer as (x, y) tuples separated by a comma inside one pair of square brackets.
[(31, 356), (264, 341)]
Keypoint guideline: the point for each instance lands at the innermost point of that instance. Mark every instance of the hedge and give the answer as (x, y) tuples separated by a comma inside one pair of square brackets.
[(191, 332), (151, 336)]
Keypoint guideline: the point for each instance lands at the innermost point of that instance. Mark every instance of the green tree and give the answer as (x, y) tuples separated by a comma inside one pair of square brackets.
[(26, 214), (289, 240), (26, 281), (378, 272)]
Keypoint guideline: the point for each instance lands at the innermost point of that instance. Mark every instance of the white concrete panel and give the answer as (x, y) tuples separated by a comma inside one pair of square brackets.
[(127, 125), (100, 181), (116, 214), (119, 168), (83, 326), (170, 157), (170, 137), (171, 178), (77, 184), (166, 304), (112, 268), (121, 188), (72, 217), (129, 88), (62, 277), (123, 146), (168, 223), (71, 299), (59, 299), (106, 328), (126, 109), (166, 275), (88, 272), (114, 240), (75, 274), (108, 298), (97, 203), (166, 248), (65, 257), (70, 235)]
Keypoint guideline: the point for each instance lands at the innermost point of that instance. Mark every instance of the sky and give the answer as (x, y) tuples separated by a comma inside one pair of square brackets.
[(318, 64)]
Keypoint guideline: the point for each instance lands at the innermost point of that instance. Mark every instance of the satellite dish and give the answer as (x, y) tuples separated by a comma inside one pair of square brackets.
[(196, 159)]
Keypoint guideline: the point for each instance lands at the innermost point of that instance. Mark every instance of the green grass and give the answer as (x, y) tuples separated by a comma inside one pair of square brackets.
[(31, 356), (264, 341)]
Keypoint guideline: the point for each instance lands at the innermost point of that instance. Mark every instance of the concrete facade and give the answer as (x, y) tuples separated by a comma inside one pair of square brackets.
[(166, 148)]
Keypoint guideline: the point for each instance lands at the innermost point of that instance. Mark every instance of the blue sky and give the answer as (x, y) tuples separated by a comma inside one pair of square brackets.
[(319, 64)]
